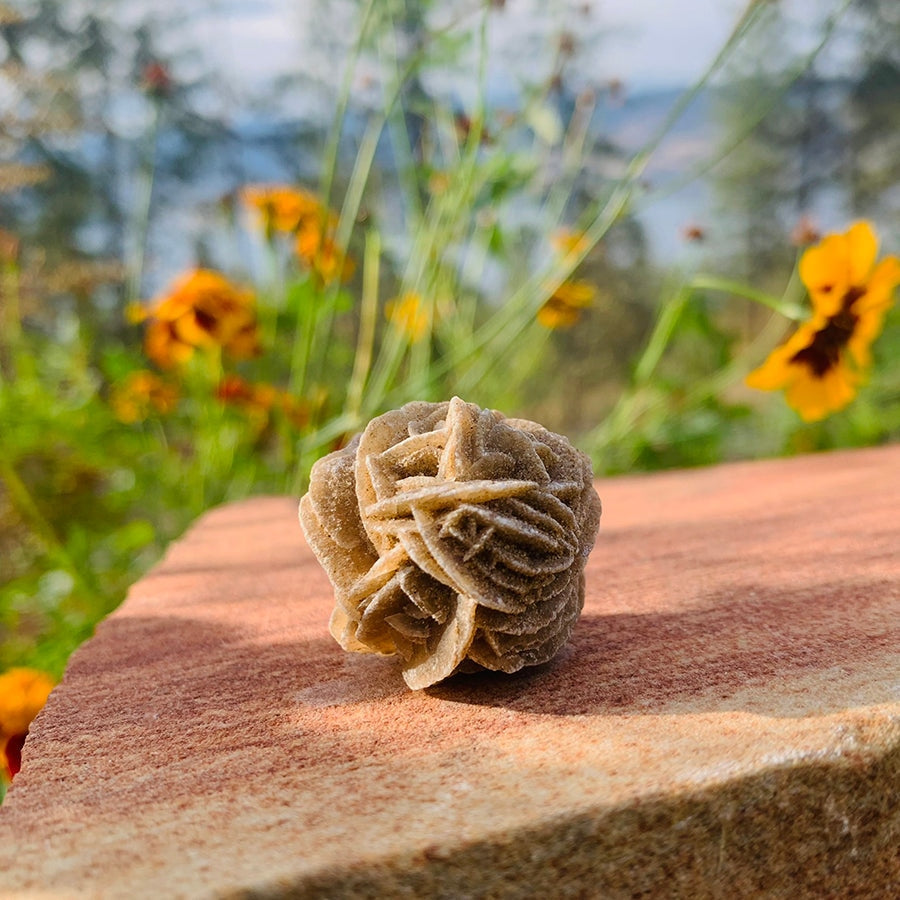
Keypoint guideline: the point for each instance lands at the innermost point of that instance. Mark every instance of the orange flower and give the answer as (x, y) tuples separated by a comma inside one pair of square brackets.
[(290, 210), (821, 366), (164, 347), (254, 400), (23, 693), (140, 394), (235, 390), (243, 343), (317, 249), (280, 207), (9, 246), (203, 310), (238, 391), (295, 410), (259, 400), (408, 315), (564, 307)]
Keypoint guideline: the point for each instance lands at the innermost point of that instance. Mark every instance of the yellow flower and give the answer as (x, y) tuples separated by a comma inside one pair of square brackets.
[(136, 313), (280, 207), (821, 366), (202, 310), (567, 242), (141, 394), (23, 693), (840, 271), (295, 410), (408, 315), (438, 183), (563, 308)]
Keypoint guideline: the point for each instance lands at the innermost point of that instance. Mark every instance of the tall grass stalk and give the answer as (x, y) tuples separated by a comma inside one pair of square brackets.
[(478, 348)]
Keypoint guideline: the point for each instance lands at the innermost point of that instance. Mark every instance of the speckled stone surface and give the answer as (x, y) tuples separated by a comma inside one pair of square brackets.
[(725, 722)]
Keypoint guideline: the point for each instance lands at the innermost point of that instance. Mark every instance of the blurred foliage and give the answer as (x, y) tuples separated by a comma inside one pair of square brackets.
[(460, 211)]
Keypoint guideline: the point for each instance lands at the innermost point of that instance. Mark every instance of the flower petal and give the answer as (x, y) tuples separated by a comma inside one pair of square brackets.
[(825, 270), (880, 288), (23, 693), (862, 248), (772, 375), (777, 371), (814, 398), (840, 386), (808, 396), (868, 327)]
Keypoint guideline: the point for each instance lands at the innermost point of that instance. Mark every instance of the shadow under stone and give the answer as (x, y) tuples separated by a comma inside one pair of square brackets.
[(745, 637)]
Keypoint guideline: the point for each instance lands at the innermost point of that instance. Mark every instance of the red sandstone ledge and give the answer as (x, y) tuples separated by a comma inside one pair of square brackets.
[(724, 723)]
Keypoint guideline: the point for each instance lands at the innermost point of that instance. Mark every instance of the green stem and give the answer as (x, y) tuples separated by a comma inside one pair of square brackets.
[(573, 156), (625, 408), (744, 23), (660, 336), (517, 314), (304, 336), (314, 331), (750, 120), (28, 509), (718, 381), (635, 403), (793, 311), (141, 220), (11, 331), (445, 223), (390, 356), (362, 361), (340, 110), (405, 162), (526, 301), (273, 298), (597, 224), (317, 341), (632, 403)]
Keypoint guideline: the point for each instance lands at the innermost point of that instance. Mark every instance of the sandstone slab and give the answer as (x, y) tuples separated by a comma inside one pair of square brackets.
[(724, 723)]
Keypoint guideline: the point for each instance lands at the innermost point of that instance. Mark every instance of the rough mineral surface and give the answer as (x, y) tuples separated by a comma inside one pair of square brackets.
[(724, 723), (453, 535)]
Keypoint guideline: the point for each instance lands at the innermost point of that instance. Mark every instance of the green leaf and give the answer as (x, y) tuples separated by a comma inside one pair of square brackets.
[(544, 121), (134, 536)]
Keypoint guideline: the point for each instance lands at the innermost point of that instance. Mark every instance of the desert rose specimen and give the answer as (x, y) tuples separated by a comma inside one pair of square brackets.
[(454, 537)]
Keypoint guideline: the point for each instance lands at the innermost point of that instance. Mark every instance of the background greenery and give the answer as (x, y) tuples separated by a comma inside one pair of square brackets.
[(118, 152)]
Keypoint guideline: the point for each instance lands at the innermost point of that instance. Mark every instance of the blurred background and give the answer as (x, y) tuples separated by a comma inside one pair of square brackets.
[(507, 195)]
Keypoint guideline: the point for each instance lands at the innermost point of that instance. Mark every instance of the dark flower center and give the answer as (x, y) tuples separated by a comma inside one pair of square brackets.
[(205, 320), (824, 353), (12, 753)]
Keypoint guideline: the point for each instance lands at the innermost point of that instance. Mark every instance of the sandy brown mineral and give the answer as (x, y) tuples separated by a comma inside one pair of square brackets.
[(453, 535)]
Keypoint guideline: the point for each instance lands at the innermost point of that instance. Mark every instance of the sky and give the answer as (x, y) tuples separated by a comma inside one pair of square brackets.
[(645, 43)]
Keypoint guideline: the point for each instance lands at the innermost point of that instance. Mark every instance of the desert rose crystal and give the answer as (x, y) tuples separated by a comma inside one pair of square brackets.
[(453, 536)]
